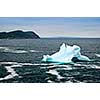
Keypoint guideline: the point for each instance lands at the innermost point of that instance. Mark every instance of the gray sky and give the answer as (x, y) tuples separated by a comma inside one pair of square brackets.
[(54, 26)]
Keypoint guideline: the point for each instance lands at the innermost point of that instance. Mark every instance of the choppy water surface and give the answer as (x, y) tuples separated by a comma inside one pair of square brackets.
[(20, 61)]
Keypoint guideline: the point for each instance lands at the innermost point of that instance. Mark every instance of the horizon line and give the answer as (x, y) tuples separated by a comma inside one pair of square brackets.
[(68, 37)]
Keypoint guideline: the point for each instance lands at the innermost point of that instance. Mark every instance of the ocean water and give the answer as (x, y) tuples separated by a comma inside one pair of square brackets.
[(20, 61)]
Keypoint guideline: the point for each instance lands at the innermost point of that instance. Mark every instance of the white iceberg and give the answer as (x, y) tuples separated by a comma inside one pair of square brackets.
[(66, 54)]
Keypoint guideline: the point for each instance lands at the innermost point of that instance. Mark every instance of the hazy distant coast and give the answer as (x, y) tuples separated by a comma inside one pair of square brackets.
[(19, 34)]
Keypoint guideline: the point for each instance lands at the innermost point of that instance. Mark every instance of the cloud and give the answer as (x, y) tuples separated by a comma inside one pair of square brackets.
[(54, 27)]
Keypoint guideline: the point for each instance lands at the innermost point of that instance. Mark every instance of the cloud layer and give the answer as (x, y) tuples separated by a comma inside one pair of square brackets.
[(54, 26)]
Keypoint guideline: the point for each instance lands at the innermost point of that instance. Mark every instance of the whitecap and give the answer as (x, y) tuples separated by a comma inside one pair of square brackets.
[(59, 67), (49, 81), (95, 66), (6, 49), (33, 51), (12, 73), (16, 65), (35, 64), (15, 51), (98, 55), (54, 72), (11, 70), (8, 63), (30, 64), (19, 51), (76, 64), (89, 66), (3, 48), (43, 64)]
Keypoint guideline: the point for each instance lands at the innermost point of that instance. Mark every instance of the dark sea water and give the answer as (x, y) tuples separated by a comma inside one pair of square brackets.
[(20, 61)]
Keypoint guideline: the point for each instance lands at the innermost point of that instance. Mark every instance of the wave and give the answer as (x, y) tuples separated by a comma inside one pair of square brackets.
[(98, 55), (54, 72), (12, 63), (11, 75), (17, 51), (3, 48), (6, 49), (16, 64), (33, 51), (14, 51)]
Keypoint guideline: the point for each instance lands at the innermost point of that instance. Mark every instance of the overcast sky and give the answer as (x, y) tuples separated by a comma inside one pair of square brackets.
[(54, 26)]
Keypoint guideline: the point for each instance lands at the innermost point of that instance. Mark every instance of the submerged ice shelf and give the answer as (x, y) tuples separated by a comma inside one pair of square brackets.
[(66, 54)]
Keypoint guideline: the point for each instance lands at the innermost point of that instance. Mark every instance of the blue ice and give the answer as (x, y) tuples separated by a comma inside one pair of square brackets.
[(66, 54)]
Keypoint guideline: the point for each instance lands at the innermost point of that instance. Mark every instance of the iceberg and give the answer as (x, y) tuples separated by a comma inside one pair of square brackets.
[(66, 54)]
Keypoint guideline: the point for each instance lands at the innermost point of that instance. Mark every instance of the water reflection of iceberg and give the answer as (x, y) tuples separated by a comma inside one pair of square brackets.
[(66, 54)]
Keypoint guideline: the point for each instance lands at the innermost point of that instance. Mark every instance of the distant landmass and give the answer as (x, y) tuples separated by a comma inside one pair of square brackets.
[(19, 34)]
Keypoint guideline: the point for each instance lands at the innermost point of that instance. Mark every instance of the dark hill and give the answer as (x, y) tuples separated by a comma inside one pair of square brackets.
[(19, 34)]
